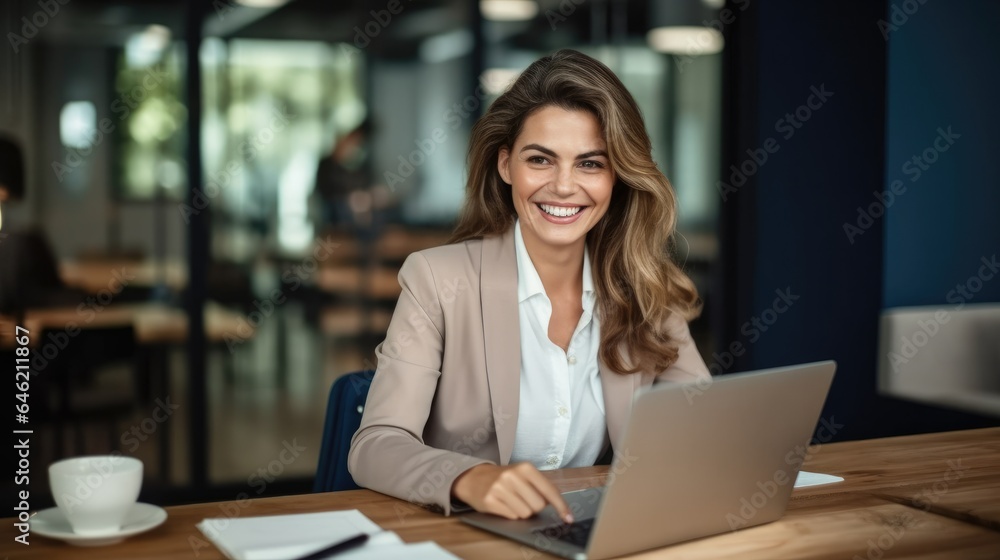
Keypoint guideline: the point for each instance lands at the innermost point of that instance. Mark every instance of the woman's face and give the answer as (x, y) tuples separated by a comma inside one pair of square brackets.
[(560, 175)]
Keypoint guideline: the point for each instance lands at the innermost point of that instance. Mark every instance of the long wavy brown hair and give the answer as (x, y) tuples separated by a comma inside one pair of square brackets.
[(638, 285)]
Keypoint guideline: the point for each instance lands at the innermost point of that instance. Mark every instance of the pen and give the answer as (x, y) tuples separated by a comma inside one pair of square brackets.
[(336, 548)]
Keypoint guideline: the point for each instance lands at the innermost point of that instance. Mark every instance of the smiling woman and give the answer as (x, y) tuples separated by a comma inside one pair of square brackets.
[(637, 284), (569, 305)]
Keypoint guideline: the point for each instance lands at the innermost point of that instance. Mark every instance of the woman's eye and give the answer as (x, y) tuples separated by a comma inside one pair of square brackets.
[(592, 164), (537, 159)]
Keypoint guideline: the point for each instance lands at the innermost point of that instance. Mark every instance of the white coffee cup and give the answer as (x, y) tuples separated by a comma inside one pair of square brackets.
[(95, 493)]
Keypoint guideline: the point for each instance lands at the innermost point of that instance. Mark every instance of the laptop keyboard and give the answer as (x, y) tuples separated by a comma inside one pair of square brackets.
[(577, 533)]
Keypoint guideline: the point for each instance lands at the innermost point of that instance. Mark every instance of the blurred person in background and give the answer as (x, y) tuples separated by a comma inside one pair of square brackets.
[(11, 172), (344, 180), (29, 271)]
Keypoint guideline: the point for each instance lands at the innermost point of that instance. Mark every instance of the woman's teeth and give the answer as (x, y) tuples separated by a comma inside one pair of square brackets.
[(560, 211)]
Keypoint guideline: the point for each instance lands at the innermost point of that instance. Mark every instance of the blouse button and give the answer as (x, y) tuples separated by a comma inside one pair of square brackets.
[(571, 360)]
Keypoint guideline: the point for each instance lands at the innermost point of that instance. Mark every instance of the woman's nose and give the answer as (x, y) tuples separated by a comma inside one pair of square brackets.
[(564, 183)]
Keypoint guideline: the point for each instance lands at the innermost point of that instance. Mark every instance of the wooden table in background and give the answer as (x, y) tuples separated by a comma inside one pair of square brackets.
[(378, 284), (396, 243), (95, 275), (925, 496), (154, 323), (156, 327)]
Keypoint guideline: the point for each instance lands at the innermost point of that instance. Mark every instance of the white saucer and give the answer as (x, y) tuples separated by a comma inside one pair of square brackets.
[(53, 524)]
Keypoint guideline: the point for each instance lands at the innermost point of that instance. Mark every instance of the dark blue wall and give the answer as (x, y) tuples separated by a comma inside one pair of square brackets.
[(788, 228), (943, 73)]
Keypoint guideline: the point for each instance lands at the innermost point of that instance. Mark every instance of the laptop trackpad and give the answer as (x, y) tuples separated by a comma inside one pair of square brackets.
[(582, 503)]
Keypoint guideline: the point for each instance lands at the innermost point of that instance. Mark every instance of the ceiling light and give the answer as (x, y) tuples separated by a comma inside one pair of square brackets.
[(508, 10), (78, 124), (685, 27), (496, 80), (146, 47), (687, 40), (262, 3)]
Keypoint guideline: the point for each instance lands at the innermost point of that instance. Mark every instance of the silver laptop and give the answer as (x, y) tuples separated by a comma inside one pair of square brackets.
[(698, 460)]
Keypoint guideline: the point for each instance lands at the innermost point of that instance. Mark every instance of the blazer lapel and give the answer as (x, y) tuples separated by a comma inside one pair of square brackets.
[(502, 335), (619, 390)]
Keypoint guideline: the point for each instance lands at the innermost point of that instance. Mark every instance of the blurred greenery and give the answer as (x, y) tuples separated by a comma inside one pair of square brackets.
[(153, 120)]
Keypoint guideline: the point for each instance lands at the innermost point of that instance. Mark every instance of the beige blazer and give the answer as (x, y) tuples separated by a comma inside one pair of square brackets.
[(445, 394)]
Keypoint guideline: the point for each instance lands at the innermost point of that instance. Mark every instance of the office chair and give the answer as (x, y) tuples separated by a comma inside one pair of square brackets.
[(343, 418)]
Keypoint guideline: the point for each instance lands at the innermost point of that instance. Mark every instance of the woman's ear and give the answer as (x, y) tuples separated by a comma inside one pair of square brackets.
[(503, 159)]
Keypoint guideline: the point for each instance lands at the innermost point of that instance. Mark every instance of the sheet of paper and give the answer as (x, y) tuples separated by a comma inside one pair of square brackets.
[(417, 551), (807, 478), (276, 537)]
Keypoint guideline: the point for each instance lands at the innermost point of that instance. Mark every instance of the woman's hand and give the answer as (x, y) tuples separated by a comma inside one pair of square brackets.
[(515, 491)]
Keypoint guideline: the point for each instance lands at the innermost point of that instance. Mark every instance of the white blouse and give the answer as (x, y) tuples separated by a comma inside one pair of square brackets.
[(560, 416)]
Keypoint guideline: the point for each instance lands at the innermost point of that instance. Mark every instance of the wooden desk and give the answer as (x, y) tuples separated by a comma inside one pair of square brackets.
[(393, 244), (93, 276), (154, 323), (378, 284), (397, 243), (871, 515)]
